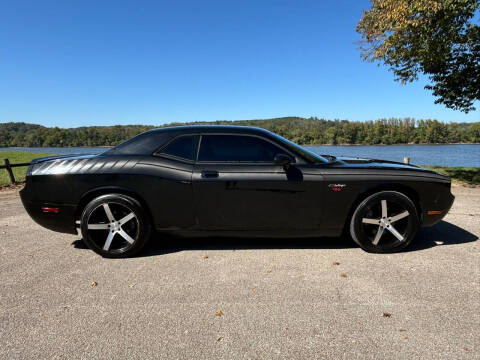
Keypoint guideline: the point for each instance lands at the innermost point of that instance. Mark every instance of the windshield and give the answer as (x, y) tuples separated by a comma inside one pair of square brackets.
[(299, 150)]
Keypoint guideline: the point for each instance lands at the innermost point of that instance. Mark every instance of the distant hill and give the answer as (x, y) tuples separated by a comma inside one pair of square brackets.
[(306, 131)]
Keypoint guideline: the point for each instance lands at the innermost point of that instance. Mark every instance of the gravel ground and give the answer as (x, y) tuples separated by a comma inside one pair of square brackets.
[(241, 299)]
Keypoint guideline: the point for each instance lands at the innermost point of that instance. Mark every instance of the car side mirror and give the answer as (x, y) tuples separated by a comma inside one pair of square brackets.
[(283, 160)]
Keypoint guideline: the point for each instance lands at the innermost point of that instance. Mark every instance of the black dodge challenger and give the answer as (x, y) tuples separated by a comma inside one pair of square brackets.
[(230, 181)]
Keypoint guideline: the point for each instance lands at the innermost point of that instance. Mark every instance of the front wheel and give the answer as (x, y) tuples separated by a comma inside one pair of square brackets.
[(115, 226), (384, 222)]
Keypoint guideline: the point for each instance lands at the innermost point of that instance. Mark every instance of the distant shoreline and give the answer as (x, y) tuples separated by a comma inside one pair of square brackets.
[(107, 147), (304, 131), (400, 144)]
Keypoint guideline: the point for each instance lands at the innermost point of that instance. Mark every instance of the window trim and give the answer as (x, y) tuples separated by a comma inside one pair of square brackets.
[(294, 158), (158, 152)]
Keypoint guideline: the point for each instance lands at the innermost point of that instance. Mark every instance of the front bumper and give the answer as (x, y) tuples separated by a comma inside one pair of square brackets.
[(441, 204), (63, 221)]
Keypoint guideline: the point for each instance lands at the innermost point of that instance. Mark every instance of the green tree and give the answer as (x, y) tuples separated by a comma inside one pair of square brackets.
[(475, 133), (309, 131), (438, 38), (331, 136)]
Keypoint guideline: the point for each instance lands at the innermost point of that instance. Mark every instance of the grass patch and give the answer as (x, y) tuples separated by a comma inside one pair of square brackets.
[(16, 157), (470, 175)]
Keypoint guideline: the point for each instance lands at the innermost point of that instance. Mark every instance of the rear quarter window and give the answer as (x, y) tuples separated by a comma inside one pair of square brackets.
[(182, 147), (142, 144)]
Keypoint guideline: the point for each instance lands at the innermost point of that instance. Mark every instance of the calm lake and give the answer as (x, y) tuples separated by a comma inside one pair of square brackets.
[(444, 155)]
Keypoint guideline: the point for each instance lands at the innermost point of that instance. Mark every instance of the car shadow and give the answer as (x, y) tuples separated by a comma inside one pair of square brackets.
[(161, 245), (172, 245), (443, 233)]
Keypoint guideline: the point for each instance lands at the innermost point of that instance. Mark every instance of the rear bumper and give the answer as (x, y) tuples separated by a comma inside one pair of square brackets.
[(441, 204), (63, 221)]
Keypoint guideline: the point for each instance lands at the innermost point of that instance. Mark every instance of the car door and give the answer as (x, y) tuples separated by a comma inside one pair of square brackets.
[(237, 186)]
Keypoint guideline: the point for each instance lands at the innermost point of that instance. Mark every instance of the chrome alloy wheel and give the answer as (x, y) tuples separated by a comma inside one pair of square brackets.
[(113, 227), (385, 223)]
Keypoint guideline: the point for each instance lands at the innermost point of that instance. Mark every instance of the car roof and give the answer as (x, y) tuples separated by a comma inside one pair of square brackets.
[(150, 141), (147, 142), (188, 129)]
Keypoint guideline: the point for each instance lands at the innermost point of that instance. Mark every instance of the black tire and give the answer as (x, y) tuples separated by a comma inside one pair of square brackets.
[(115, 226), (376, 233)]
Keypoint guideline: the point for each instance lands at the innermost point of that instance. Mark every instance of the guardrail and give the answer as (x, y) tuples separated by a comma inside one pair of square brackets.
[(9, 167)]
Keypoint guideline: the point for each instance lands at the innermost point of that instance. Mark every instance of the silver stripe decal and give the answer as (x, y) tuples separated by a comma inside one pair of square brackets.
[(78, 166), (45, 171), (69, 166)]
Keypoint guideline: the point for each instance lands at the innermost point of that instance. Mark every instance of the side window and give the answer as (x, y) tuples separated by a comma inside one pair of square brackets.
[(236, 148), (183, 147)]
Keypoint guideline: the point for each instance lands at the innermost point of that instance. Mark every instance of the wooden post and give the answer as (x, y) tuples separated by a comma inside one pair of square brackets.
[(406, 160), (9, 170)]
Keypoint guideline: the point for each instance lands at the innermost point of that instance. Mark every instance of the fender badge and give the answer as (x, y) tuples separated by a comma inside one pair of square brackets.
[(336, 187)]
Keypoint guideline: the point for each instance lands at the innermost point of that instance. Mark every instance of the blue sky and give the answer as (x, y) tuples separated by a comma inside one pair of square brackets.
[(76, 63)]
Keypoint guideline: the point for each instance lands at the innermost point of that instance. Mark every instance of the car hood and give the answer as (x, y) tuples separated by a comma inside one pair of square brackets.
[(363, 163), (375, 163)]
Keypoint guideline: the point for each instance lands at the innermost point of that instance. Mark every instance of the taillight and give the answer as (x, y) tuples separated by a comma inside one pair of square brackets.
[(53, 210)]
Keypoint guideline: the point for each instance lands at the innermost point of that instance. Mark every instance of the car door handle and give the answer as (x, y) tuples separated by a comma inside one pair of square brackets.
[(210, 174)]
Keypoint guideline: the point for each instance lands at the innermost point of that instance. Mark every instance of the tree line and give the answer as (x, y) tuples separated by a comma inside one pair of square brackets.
[(306, 131)]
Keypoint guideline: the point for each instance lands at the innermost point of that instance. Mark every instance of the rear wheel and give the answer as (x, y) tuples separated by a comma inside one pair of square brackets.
[(384, 222), (115, 226)]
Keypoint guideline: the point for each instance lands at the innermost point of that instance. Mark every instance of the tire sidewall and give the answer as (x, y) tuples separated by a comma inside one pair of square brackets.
[(131, 203), (356, 222)]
